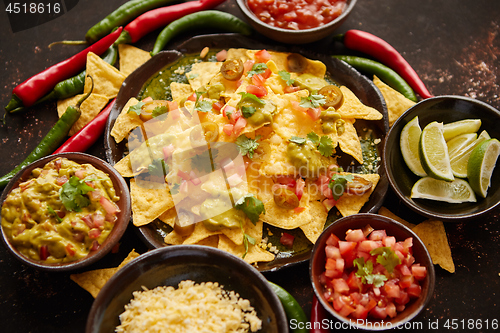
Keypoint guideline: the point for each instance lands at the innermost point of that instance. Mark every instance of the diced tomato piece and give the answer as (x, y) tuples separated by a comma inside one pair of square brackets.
[(44, 252), (296, 107), (228, 111), (221, 55), (338, 303), (259, 91), (329, 204), (109, 207), (217, 106), (168, 151), (330, 263), (95, 246), (346, 310), (98, 220), (346, 247), (419, 272), (378, 312), (390, 309), (405, 271), (391, 289), (299, 209), (414, 290), (94, 233), (299, 188), (403, 299), (88, 220), (389, 241), (70, 249), (262, 56), (314, 113), (354, 282), (368, 245), (81, 173), (332, 252), (258, 80), (228, 129), (363, 254), (61, 180), (287, 240), (377, 235), (340, 286), (371, 304), (360, 313), (408, 260), (267, 73), (355, 235), (192, 97), (183, 175), (247, 65), (406, 281), (333, 274), (239, 125), (332, 240)]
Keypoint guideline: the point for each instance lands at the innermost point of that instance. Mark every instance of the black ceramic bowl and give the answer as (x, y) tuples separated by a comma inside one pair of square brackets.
[(170, 265), (119, 228), (392, 228), (444, 109), (294, 36)]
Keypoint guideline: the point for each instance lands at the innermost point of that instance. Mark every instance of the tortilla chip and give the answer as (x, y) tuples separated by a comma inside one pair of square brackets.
[(349, 141), (107, 79), (287, 218), (396, 102), (387, 213), (352, 204), (433, 235), (93, 281), (124, 167), (201, 73), (180, 90), (313, 229), (147, 203), (125, 122), (212, 241), (131, 58), (90, 108), (352, 107), (169, 217)]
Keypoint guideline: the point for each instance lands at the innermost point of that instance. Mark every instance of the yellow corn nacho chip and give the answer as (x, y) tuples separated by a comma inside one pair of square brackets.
[(90, 108), (180, 90), (93, 281), (124, 167), (315, 227), (131, 58), (125, 122), (201, 73), (433, 235), (349, 141), (107, 79), (396, 102), (352, 107), (352, 204), (287, 218), (147, 203)]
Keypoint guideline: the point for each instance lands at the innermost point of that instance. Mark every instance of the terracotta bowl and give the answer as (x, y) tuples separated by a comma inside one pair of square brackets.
[(445, 109), (168, 266), (393, 228), (121, 223), (294, 36)]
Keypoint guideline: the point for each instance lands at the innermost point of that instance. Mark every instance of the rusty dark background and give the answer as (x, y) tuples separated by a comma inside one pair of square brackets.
[(454, 45)]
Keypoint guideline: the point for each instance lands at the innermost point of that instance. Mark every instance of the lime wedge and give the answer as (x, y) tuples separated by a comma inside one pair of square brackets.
[(433, 152), (408, 141), (456, 128), (460, 159), (456, 191), (458, 143), (482, 161)]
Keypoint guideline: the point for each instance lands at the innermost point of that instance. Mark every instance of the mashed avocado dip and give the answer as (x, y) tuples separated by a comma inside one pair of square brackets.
[(61, 213)]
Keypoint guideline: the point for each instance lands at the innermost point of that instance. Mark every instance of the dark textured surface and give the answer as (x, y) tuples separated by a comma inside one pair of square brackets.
[(453, 45)]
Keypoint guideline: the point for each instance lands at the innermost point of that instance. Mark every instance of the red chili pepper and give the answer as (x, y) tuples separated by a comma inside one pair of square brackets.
[(158, 18), (382, 51), (318, 314), (31, 90), (88, 135)]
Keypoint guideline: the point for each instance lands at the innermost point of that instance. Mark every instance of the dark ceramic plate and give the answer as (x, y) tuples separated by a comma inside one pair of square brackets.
[(168, 266), (339, 71), (444, 109), (123, 217)]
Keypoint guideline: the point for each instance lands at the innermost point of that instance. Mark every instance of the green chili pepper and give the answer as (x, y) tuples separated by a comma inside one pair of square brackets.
[(52, 140), (296, 316), (205, 19), (383, 72), (122, 15)]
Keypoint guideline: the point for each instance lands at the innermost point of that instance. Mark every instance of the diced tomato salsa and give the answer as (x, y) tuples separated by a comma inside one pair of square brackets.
[(370, 275), (297, 14)]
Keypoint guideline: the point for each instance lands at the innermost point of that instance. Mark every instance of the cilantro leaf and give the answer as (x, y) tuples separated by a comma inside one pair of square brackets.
[(386, 257), (338, 183), (159, 110), (202, 105), (297, 139), (136, 108), (158, 168), (247, 146), (258, 68), (252, 97), (313, 137), (285, 76), (247, 239), (203, 161), (247, 111), (312, 101), (325, 146), (73, 192), (175, 189), (365, 270), (376, 279), (53, 213), (251, 206)]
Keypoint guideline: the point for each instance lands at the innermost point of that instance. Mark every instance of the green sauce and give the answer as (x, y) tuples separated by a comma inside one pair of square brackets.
[(304, 157), (219, 214)]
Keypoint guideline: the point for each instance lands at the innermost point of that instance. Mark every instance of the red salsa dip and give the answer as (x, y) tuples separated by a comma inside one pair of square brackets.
[(297, 14), (370, 275)]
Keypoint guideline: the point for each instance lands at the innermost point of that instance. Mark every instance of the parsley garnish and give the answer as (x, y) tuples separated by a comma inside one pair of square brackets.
[(365, 270), (247, 146), (257, 69), (53, 213), (175, 189), (325, 146), (312, 101), (136, 108), (313, 137), (158, 168), (159, 110), (73, 192), (202, 105), (338, 183), (386, 257), (245, 95), (247, 111), (297, 139), (285, 76), (251, 206), (203, 161)]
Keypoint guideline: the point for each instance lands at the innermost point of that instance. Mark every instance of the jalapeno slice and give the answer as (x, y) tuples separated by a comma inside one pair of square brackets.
[(232, 69), (296, 63), (184, 223), (285, 198), (358, 186), (208, 131), (333, 95)]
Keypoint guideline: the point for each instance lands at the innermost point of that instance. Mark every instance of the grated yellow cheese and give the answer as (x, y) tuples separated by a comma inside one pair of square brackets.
[(204, 307)]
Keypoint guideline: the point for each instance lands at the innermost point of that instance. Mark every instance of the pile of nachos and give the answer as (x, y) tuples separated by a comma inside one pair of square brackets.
[(252, 141)]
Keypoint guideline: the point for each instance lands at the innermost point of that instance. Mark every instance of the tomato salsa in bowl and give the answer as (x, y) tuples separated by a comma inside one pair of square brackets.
[(371, 272), (64, 211), (296, 21)]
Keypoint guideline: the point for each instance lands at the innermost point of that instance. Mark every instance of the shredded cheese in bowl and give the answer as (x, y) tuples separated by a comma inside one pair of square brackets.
[(192, 307)]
